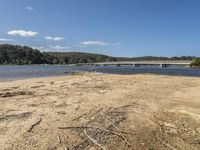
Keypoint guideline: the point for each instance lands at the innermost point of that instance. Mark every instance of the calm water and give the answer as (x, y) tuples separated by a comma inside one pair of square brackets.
[(20, 72)]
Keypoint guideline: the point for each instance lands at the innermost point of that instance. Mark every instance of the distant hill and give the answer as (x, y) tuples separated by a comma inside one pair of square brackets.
[(21, 55), (77, 57)]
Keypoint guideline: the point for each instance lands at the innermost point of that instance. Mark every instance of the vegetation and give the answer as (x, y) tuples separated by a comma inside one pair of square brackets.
[(195, 63), (75, 58), (21, 55)]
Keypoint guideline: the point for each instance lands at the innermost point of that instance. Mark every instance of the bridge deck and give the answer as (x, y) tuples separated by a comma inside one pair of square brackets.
[(138, 63), (146, 62)]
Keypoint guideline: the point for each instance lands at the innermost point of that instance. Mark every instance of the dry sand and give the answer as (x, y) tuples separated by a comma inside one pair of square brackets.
[(90, 111)]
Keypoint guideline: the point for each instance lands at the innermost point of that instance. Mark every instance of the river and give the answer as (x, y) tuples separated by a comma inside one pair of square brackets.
[(12, 72)]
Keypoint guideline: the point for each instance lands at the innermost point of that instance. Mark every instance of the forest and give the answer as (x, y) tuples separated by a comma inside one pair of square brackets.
[(24, 55)]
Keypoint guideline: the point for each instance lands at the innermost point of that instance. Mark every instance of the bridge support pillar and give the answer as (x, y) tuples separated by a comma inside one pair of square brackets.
[(163, 65), (118, 65), (137, 65)]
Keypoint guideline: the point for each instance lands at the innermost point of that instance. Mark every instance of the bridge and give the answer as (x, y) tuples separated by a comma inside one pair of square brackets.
[(160, 64)]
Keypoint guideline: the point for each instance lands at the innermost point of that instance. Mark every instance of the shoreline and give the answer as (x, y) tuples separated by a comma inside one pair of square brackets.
[(17, 73), (87, 72), (60, 76)]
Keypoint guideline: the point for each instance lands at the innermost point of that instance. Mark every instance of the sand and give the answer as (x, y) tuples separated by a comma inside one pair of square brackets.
[(100, 111)]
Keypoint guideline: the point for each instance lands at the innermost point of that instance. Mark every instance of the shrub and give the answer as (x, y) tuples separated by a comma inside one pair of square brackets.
[(195, 63)]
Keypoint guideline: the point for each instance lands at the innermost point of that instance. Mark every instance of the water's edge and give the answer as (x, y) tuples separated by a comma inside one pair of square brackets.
[(13, 72)]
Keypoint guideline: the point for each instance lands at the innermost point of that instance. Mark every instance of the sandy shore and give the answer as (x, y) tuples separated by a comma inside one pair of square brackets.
[(91, 111)]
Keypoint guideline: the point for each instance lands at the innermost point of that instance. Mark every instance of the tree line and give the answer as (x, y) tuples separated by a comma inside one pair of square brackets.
[(24, 55)]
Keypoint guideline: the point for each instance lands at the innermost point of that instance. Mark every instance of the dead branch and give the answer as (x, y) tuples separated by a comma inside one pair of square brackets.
[(97, 112), (118, 131), (66, 148), (81, 116), (59, 140), (89, 127), (80, 143), (123, 106), (35, 124), (93, 115), (93, 140)]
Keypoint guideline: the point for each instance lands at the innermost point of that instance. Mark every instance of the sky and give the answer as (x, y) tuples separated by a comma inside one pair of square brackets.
[(113, 27)]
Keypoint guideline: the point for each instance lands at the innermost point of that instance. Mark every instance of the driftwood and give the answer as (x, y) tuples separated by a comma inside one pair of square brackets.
[(124, 106), (35, 124), (118, 131), (89, 127), (93, 140), (80, 143), (66, 148), (96, 130), (93, 115), (97, 112), (86, 114)]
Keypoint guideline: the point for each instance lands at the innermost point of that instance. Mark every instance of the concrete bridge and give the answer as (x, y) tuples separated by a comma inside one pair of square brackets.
[(142, 63)]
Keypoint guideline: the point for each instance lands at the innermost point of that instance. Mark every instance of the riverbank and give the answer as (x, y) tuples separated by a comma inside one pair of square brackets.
[(25, 72), (89, 111)]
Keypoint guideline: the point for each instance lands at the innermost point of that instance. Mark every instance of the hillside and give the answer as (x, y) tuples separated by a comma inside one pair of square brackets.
[(21, 55), (15, 54)]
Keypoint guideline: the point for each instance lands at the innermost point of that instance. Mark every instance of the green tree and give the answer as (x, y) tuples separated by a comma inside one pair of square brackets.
[(195, 63), (55, 61)]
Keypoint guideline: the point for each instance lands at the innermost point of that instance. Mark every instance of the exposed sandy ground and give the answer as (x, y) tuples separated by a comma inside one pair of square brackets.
[(113, 111)]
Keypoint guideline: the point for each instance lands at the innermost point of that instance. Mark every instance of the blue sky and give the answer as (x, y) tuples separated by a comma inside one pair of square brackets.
[(112, 27)]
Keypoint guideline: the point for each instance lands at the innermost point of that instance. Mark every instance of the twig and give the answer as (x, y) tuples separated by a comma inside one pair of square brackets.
[(124, 106), (81, 116), (118, 131), (89, 127), (59, 140), (162, 125), (93, 140), (97, 112), (35, 124), (93, 115), (66, 148), (80, 143)]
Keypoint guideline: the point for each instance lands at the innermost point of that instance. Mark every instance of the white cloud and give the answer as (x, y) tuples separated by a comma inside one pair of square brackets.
[(55, 38), (29, 8), (98, 43), (51, 48), (43, 49), (58, 47), (39, 48), (6, 40), (22, 33), (80, 45)]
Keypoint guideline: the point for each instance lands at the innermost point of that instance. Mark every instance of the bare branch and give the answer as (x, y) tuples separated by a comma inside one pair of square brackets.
[(93, 140), (35, 124)]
